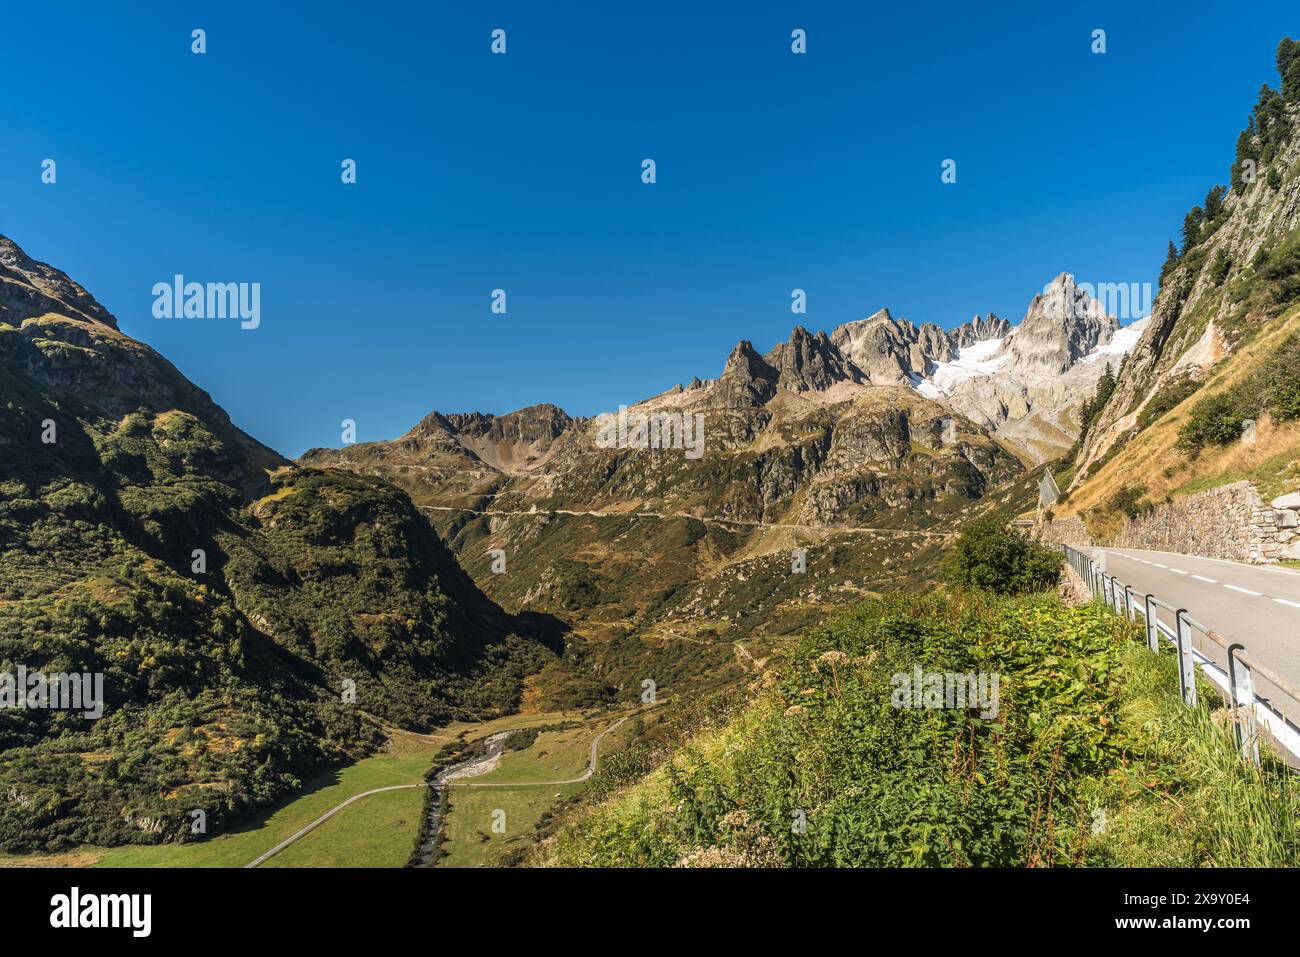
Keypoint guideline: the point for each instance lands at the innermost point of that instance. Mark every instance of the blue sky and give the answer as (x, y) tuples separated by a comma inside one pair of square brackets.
[(522, 172)]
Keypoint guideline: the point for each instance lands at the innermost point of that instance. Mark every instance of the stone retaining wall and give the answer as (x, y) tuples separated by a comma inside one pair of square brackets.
[(1230, 522), (1067, 530)]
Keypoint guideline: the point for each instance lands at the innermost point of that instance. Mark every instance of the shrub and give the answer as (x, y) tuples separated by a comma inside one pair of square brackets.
[(1282, 381), (1215, 420), (1168, 397), (1219, 268), (992, 556), (1130, 501), (1274, 388)]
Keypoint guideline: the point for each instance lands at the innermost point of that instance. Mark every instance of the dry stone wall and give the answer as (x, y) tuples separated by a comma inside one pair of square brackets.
[(1231, 522)]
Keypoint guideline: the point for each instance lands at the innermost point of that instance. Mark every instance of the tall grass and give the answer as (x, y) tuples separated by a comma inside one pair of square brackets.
[(1093, 761)]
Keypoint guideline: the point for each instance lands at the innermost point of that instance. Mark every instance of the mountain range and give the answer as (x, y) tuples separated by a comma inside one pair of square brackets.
[(231, 596), (864, 447)]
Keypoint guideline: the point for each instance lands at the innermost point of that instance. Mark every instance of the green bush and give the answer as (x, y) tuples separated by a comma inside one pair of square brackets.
[(829, 769), (1130, 501), (1167, 398), (1219, 268), (1274, 388), (992, 556)]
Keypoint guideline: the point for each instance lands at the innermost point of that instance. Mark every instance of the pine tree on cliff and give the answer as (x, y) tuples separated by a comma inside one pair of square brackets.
[(1171, 260)]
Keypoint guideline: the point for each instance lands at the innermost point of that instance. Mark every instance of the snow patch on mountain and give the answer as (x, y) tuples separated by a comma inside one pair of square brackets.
[(977, 359), (1120, 344)]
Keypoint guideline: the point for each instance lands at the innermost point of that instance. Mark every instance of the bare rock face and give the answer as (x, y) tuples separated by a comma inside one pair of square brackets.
[(810, 363), (979, 329), (539, 424), (891, 351), (747, 380), (1062, 326)]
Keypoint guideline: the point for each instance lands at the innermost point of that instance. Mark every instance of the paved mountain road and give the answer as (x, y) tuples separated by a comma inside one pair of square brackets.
[(325, 817), (1256, 605)]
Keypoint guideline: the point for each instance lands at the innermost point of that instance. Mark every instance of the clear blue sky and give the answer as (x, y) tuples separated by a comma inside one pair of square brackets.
[(522, 171)]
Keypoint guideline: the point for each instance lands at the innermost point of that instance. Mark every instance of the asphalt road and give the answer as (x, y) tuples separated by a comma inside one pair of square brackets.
[(1256, 605)]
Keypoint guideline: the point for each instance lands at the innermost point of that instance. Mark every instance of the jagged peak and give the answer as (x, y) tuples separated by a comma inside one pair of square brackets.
[(1062, 325)]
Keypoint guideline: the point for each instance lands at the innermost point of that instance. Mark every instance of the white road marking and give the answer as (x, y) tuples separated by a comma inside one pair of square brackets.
[(1158, 565), (1286, 601), (1244, 591), (1178, 571), (1204, 579)]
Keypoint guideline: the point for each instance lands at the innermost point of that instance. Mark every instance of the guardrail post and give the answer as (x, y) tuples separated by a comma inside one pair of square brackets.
[(1153, 629), (1186, 664), (1243, 705), (1128, 602)]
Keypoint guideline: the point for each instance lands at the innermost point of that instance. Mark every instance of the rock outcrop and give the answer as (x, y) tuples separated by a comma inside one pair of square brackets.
[(1062, 325)]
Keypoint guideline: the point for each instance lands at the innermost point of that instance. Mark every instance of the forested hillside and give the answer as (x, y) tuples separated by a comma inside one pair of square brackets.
[(224, 595)]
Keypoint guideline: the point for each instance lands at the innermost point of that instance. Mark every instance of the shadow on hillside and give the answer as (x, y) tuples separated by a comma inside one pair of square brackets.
[(327, 778), (544, 628)]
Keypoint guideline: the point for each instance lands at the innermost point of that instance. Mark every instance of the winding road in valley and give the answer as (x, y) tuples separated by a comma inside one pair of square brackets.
[(591, 768), (455, 774), (699, 518)]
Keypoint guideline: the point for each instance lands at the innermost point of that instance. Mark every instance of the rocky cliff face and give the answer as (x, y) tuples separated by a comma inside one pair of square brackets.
[(29, 288), (978, 329), (1238, 276), (811, 363), (890, 351), (1062, 325)]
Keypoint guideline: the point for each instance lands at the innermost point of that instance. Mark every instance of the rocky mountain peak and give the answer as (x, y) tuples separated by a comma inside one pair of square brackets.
[(534, 423), (747, 379), (891, 351), (979, 329), (1062, 325), (810, 362), (29, 288)]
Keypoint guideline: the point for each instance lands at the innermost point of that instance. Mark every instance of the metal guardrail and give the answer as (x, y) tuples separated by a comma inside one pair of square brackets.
[(1250, 709)]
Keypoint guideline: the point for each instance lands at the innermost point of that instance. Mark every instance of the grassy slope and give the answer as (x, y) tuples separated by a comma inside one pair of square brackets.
[(329, 789), (470, 840), (1091, 722), (1152, 458)]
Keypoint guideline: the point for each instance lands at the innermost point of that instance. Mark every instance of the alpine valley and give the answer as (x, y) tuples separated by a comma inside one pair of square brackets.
[(865, 447), (226, 594), (676, 629)]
